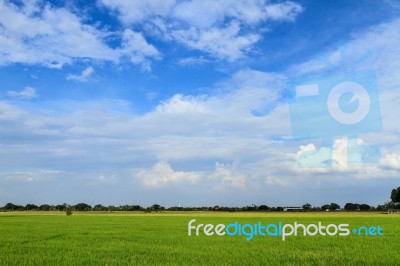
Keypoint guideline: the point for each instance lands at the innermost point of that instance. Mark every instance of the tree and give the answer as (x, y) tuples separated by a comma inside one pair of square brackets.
[(61, 207), (9, 207), (263, 208), (82, 207), (29, 207), (351, 207), (99, 207), (68, 210), (334, 207), (44, 207), (325, 207), (364, 207), (155, 207), (13, 207), (307, 206), (395, 195)]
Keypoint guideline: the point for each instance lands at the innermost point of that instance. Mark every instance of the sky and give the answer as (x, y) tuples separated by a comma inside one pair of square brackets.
[(193, 103)]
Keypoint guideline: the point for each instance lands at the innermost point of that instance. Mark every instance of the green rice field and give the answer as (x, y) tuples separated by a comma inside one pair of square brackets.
[(40, 238)]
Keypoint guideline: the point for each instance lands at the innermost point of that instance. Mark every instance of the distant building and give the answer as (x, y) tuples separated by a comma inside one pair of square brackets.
[(293, 209)]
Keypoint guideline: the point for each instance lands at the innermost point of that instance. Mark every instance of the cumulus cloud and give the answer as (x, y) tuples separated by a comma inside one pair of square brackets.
[(226, 176), (27, 93), (162, 174)]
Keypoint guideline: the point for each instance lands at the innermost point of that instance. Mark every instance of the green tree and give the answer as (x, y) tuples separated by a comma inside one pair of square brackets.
[(307, 206), (44, 207), (365, 207), (325, 207), (351, 206), (395, 195), (29, 207), (334, 207), (156, 207), (82, 207), (68, 210)]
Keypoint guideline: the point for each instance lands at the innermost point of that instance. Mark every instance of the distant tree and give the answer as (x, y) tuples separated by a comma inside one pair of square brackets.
[(82, 207), (134, 208), (381, 207), (112, 208), (325, 207), (155, 207), (307, 206), (248, 208), (365, 207), (395, 195), (334, 207), (9, 207), (100, 207), (13, 207), (263, 208), (216, 208), (30, 207), (60, 207), (351, 206), (44, 207)]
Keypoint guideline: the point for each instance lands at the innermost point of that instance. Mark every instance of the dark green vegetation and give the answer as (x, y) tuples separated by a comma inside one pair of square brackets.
[(83, 207), (161, 238)]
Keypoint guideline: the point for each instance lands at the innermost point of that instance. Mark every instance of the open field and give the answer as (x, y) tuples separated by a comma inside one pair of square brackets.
[(161, 238)]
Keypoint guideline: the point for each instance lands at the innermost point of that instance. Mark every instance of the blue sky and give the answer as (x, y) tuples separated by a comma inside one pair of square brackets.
[(186, 102)]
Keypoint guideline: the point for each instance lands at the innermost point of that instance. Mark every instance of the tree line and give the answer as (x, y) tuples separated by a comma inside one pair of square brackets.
[(394, 203)]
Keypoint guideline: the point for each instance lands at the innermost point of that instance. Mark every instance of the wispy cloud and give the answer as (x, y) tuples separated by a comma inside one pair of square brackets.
[(84, 76), (27, 93)]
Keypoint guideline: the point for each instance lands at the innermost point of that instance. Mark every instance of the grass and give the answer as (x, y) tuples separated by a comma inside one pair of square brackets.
[(152, 239)]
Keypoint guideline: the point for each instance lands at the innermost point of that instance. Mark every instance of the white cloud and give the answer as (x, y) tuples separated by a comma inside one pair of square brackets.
[(223, 29), (226, 176), (180, 104), (84, 76), (21, 176), (36, 33), (136, 48), (29, 176), (51, 37), (205, 14), (224, 43), (193, 61), (27, 93), (283, 11), (139, 11), (40, 33), (162, 174), (310, 157), (391, 161)]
